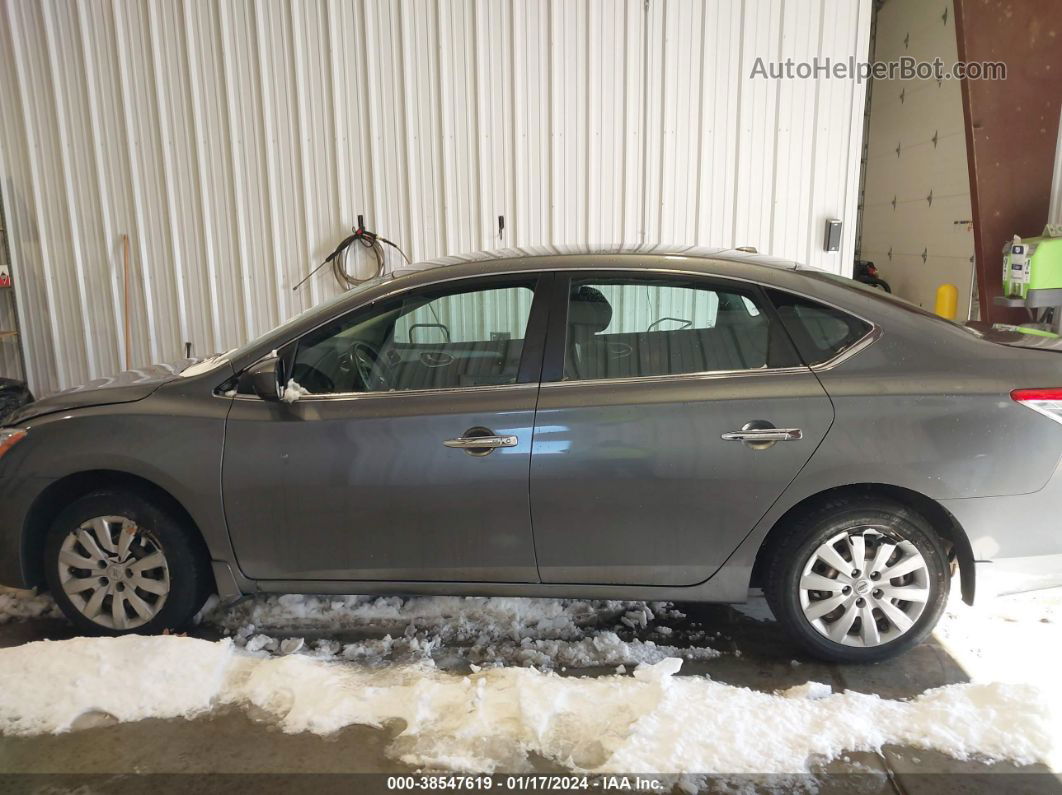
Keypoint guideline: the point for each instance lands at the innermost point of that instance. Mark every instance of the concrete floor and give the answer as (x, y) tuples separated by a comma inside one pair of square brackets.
[(230, 751)]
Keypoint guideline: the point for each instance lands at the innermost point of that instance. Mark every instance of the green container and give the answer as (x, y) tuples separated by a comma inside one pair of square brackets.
[(1032, 332), (1033, 274)]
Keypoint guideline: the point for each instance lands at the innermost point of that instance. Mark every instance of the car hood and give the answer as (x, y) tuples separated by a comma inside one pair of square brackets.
[(124, 387)]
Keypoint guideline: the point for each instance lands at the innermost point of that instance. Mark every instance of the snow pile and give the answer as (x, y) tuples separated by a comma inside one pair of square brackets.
[(810, 690), (494, 719), (600, 649), (293, 390), (18, 605), (456, 618), (546, 633), (47, 685)]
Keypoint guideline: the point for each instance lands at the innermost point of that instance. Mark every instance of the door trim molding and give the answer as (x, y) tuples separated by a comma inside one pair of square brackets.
[(479, 390), (709, 375)]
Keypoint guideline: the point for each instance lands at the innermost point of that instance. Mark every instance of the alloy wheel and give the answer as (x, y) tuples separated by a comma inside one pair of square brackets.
[(114, 572), (864, 587)]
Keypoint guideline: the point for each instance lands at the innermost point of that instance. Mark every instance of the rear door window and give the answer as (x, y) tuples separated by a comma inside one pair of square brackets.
[(648, 326)]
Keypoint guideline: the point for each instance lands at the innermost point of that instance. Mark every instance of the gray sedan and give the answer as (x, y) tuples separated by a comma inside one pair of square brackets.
[(642, 424)]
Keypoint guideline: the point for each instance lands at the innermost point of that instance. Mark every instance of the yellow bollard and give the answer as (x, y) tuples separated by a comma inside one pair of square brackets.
[(947, 301)]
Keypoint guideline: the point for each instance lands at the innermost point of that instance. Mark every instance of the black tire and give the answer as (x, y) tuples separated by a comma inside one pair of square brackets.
[(189, 579), (815, 528)]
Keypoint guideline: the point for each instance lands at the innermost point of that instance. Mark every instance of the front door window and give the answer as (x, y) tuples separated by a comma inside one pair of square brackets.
[(427, 339)]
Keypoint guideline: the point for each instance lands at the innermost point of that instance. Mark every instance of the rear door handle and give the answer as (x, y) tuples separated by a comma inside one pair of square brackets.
[(764, 435), (761, 435), (475, 442)]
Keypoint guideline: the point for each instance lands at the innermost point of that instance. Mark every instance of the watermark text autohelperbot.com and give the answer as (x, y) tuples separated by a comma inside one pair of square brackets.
[(904, 68)]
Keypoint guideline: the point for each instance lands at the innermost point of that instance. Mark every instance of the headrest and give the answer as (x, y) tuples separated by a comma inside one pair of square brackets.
[(589, 309)]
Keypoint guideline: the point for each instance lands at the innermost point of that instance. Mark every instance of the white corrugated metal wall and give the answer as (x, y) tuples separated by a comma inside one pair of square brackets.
[(236, 142)]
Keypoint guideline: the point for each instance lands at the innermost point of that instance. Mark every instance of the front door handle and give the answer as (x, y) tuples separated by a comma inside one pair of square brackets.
[(481, 441)]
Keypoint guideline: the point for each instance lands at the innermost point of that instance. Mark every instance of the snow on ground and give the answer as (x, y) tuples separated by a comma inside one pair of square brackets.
[(493, 719), (318, 664), (545, 633), (19, 605), (1013, 639)]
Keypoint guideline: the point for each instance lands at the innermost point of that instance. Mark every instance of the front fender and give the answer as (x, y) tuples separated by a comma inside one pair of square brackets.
[(174, 442)]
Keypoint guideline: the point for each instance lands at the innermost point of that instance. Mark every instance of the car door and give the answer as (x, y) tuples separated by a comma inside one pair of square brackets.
[(673, 412), (378, 470)]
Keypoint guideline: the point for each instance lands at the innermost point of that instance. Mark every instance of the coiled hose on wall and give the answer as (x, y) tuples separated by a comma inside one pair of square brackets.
[(366, 238)]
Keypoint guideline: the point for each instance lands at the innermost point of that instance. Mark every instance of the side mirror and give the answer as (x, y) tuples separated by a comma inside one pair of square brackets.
[(265, 379)]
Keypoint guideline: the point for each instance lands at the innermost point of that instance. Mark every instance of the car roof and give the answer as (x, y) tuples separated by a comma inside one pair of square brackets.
[(501, 260), (722, 262)]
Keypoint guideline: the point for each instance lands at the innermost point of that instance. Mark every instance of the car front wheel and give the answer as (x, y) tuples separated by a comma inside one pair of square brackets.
[(859, 581), (116, 564)]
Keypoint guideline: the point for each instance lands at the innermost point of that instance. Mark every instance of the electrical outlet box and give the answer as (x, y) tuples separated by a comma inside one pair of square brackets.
[(832, 239)]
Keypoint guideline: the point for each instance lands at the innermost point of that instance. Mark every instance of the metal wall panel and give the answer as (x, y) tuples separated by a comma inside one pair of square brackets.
[(235, 142)]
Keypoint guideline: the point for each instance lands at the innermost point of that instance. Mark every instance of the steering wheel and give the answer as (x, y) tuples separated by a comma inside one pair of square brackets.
[(365, 358), (685, 323)]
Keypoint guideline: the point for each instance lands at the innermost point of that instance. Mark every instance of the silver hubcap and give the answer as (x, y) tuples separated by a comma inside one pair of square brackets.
[(114, 573), (863, 588)]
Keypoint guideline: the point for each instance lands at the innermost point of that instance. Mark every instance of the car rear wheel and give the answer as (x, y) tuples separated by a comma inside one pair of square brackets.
[(859, 581), (116, 565)]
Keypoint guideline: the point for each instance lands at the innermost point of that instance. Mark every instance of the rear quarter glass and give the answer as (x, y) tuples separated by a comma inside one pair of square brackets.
[(820, 332)]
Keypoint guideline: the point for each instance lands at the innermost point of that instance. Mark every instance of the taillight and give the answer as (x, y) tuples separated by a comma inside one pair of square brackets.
[(9, 437), (1045, 401)]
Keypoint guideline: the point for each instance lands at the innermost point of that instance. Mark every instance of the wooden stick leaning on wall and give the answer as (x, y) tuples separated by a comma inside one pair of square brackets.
[(125, 302)]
